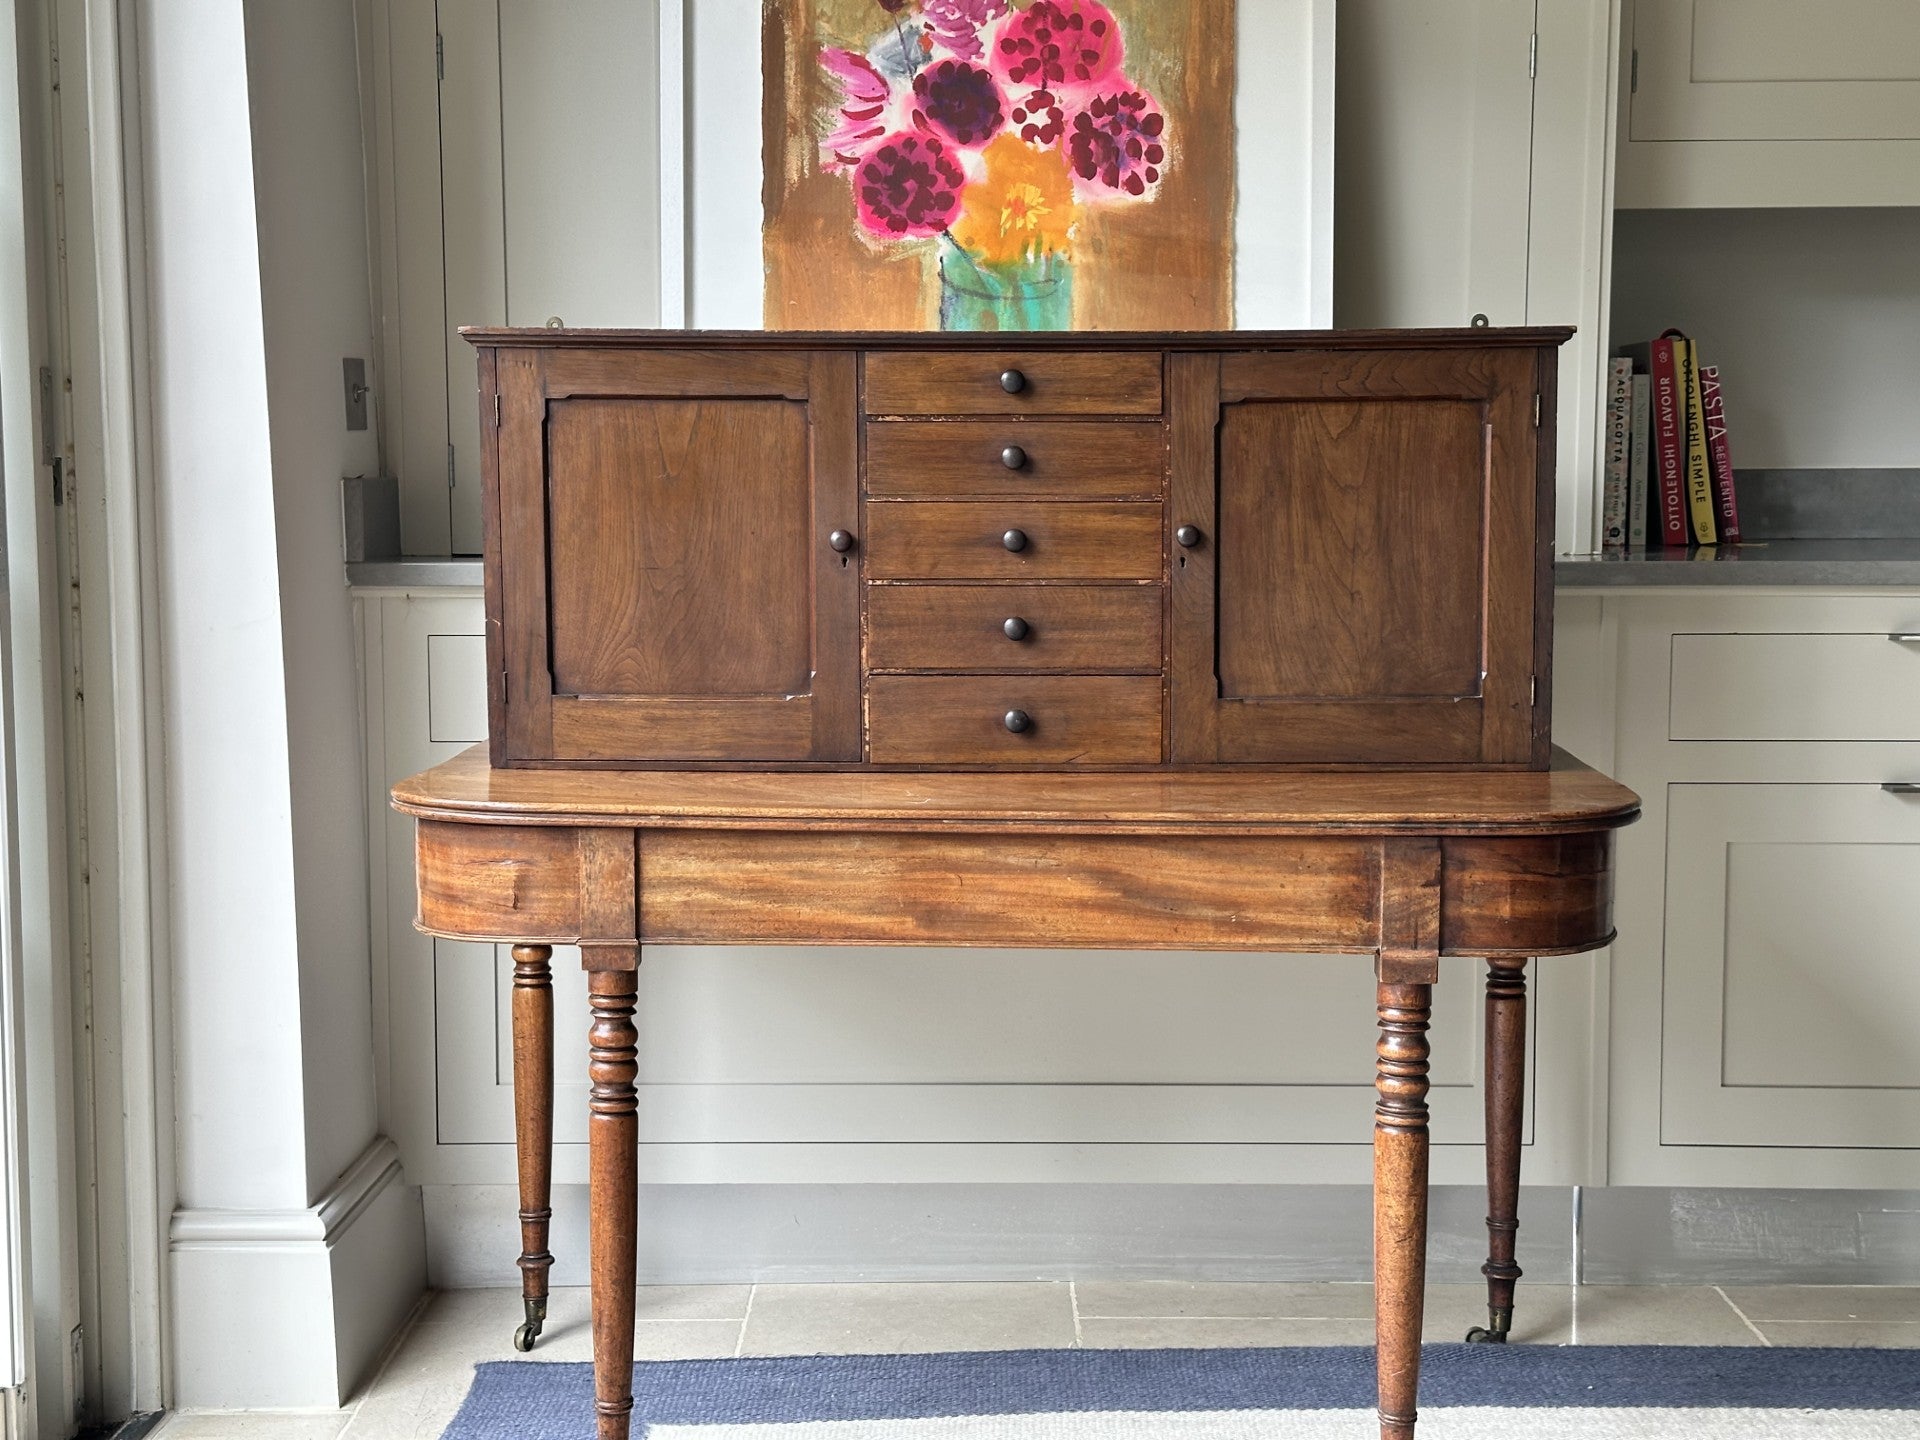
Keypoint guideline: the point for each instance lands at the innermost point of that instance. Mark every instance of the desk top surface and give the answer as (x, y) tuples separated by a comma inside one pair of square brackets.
[(1570, 797)]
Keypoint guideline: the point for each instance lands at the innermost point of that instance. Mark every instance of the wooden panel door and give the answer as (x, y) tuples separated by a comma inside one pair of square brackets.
[(671, 593), (1359, 543)]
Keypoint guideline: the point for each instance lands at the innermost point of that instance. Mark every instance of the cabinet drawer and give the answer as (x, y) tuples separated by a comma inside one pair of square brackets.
[(1071, 719), (934, 540), (1109, 628), (970, 382), (1795, 687), (1068, 460)]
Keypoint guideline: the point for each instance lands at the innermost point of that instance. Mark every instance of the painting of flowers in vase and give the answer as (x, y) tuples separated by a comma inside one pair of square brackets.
[(987, 165)]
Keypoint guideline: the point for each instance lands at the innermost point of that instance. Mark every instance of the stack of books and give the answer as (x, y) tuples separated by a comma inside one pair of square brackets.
[(1669, 471)]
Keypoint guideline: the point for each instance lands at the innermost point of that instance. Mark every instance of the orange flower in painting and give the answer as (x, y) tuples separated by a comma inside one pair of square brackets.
[(1021, 209)]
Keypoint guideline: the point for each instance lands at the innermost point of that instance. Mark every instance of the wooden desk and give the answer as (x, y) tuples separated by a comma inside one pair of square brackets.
[(1403, 867)]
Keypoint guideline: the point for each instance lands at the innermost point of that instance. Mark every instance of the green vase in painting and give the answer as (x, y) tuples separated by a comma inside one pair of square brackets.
[(1023, 294)]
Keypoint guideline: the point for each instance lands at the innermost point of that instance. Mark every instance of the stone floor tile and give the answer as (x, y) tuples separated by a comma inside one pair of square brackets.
[(907, 1319)]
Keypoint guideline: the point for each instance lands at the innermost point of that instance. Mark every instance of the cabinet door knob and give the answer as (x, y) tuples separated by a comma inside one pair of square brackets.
[(1012, 381), (1014, 540), (1016, 628), (841, 541), (1188, 536), (1014, 458), (1019, 722)]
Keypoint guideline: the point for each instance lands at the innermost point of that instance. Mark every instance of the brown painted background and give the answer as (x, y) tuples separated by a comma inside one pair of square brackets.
[(1164, 264)]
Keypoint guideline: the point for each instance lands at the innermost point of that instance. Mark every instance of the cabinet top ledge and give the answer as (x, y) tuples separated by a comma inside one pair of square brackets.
[(1024, 340)]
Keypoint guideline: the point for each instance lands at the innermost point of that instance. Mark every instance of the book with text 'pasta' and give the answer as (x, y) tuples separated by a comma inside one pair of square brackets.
[(1713, 412), (1668, 522)]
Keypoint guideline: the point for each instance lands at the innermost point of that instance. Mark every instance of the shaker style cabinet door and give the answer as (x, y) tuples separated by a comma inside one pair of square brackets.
[(673, 591), (1353, 538)]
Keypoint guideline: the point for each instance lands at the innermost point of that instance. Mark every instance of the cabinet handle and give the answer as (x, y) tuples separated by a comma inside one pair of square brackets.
[(1905, 637), (1019, 722), (1016, 628), (1014, 458), (1012, 381), (1188, 536), (1902, 787), (1015, 540), (840, 541)]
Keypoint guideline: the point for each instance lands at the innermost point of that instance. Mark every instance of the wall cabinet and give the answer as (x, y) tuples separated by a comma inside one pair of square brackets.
[(1771, 102)]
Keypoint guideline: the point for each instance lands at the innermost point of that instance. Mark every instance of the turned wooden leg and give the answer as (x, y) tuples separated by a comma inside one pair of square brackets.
[(1506, 1103), (612, 1128), (533, 1127), (1400, 1201)]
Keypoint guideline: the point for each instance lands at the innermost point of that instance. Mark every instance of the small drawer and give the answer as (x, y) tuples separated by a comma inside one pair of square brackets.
[(1109, 628), (1012, 540), (1795, 687), (1014, 720), (1067, 460), (1008, 382)]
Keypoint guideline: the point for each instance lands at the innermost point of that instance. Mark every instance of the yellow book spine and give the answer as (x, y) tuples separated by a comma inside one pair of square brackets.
[(1699, 475)]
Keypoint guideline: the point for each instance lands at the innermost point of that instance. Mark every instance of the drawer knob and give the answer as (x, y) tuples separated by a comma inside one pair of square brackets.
[(1188, 536), (1019, 722), (1015, 540), (841, 541), (1012, 381), (1014, 458), (1016, 628)]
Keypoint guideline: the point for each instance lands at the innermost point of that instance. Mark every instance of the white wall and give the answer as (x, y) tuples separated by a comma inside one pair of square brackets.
[(1812, 315)]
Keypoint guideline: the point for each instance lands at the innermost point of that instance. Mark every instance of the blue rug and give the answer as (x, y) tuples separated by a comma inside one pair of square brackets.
[(1597, 1392)]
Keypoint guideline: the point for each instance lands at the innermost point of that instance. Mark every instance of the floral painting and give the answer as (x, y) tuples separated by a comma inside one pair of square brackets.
[(999, 164)]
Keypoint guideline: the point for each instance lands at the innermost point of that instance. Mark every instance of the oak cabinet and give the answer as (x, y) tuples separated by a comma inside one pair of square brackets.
[(1321, 549)]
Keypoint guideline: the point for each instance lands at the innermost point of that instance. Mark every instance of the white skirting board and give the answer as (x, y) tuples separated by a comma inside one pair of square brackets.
[(288, 1309)]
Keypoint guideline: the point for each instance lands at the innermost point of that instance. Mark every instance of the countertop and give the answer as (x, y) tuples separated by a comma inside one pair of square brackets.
[(1777, 562)]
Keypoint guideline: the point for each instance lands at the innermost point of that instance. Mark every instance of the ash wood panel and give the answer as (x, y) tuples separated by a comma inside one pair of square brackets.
[(1351, 549), (1075, 719), (1092, 891), (834, 412), (1109, 628), (517, 571), (609, 371), (507, 882), (962, 540), (1570, 797), (1349, 732), (1091, 381), (631, 727), (962, 459), (679, 532), (1538, 896), (1192, 574)]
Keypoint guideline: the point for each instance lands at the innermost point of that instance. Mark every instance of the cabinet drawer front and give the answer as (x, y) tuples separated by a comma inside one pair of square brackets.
[(1108, 628), (1795, 687), (1070, 460), (934, 540), (970, 383), (1071, 719)]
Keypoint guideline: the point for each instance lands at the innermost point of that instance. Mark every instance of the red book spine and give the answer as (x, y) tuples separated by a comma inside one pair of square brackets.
[(1669, 444), (1719, 458)]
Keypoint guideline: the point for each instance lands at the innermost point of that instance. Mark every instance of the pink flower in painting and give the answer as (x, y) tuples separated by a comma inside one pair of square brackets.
[(955, 24), (1058, 44), (864, 93), (960, 102), (908, 185), (1040, 118), (1118, 143)]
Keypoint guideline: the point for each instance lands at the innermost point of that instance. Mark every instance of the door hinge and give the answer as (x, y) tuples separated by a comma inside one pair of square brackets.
[(1533, 691), (439, 56), (1633, 80), (450, 467), (1533, 55), (496, 409), (1536, 409)]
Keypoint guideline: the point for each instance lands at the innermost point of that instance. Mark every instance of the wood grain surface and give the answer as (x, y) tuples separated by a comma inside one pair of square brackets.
[(1090, 381), (962, 540), (1073, 719), (1065, 460), (1111, 629)]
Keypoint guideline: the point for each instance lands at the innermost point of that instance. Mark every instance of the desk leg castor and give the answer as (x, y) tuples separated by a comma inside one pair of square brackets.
[(524, 1337), (1494, 1332)]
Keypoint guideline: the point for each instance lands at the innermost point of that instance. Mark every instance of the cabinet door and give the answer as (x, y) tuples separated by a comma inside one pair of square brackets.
[(1776, 70), (1362, 588), (666, 584), (1792, 954)]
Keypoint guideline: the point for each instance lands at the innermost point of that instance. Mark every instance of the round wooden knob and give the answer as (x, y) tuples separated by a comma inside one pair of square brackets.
[(1016, 628), (1012, 381), (841, 541), (1014, 458), (1019, 722), (1015, 540), (1187, 536)]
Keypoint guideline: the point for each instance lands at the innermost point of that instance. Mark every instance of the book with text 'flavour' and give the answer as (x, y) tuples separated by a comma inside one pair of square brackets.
[(1719, 458), (1668, 522)]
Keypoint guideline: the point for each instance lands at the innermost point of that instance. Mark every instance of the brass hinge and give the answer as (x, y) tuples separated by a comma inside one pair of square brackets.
[(1533, 55), (496, 409), (1536, 409), (1533, 690)]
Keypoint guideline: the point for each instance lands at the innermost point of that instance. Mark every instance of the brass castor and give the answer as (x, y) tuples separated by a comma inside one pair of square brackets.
[(524, 1337), (1494, 1332)]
